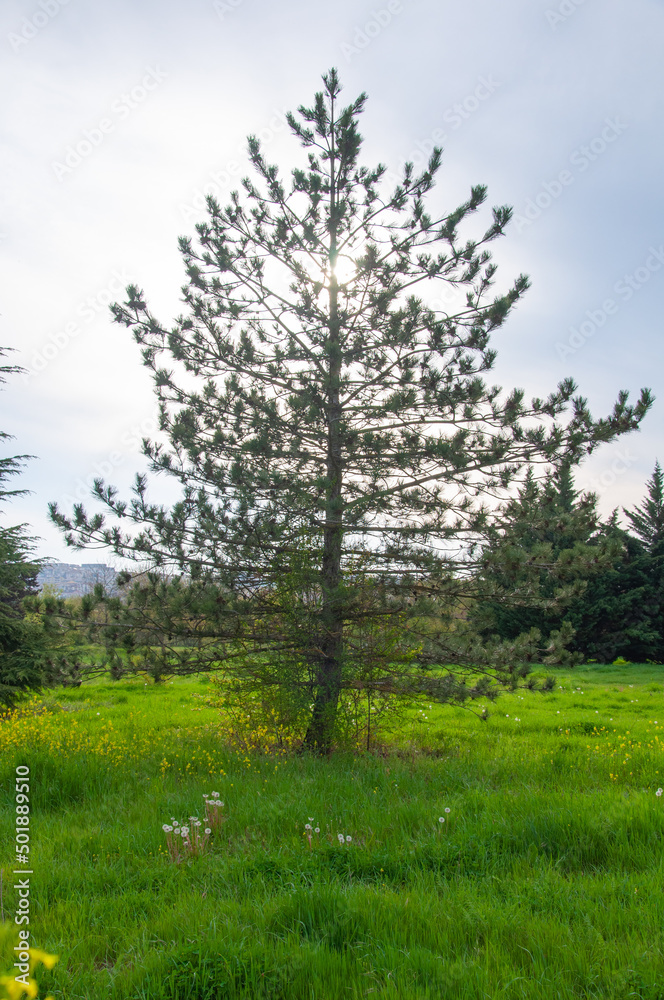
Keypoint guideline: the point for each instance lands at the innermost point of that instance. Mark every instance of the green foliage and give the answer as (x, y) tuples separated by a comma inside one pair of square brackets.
[(22, 638), (620, 612), (541, 554), (597, 580)]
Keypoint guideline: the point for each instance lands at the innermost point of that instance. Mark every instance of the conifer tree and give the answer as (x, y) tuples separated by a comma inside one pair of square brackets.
[(619, 613), (21, 640), (342, 439), (647, 521), (597, 583), (538, 557)]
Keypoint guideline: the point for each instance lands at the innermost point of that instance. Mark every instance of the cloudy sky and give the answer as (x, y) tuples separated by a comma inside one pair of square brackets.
[(117, 118)]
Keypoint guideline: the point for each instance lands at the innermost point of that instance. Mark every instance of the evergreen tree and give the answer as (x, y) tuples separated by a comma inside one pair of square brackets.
[(622, 610), (595, 578), (647, 521), (640, 580), (342, 438), (538, 557), (21, 640), (617, 615)]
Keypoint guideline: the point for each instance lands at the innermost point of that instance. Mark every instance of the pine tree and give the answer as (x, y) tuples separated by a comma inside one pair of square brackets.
[(639, 582), (539, 556), (618, 613), (594, 578), (342, 438), (21, 640), (647, 521)]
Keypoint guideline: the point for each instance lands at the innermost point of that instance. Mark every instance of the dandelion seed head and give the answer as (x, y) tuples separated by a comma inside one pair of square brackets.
[(441, 819), (166, 828), (658, 792)]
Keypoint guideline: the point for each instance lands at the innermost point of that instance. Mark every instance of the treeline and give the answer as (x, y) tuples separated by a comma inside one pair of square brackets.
[(587, 589)]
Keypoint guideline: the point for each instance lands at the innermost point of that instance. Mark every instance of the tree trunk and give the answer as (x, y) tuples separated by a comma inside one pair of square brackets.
[(328, 680)]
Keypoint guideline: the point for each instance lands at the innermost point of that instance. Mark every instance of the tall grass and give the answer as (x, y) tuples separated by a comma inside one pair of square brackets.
[(545, 881)]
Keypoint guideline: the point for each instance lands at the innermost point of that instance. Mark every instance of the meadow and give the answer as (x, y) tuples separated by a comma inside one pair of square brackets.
[(545, 880)]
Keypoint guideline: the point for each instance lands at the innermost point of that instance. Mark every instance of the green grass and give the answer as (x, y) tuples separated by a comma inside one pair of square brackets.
[(546, 881)]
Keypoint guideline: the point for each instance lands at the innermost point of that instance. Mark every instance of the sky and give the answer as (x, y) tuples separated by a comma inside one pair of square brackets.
[(118, 118)]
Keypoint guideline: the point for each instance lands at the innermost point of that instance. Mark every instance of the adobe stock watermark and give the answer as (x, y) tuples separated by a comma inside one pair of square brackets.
[(625, 288), (562, 12), (32, 25), (454, 116), (364, 34), (86, 311), (219, 181), (581, 160), (23, 867), (130, 443), (120, 110), (224, 7), (621, 463)]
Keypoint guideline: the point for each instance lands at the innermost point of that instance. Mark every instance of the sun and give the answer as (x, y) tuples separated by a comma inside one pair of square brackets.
[(345, 269)]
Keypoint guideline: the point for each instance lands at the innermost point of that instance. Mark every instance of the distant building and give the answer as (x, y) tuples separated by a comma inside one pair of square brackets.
[(70, 580)]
